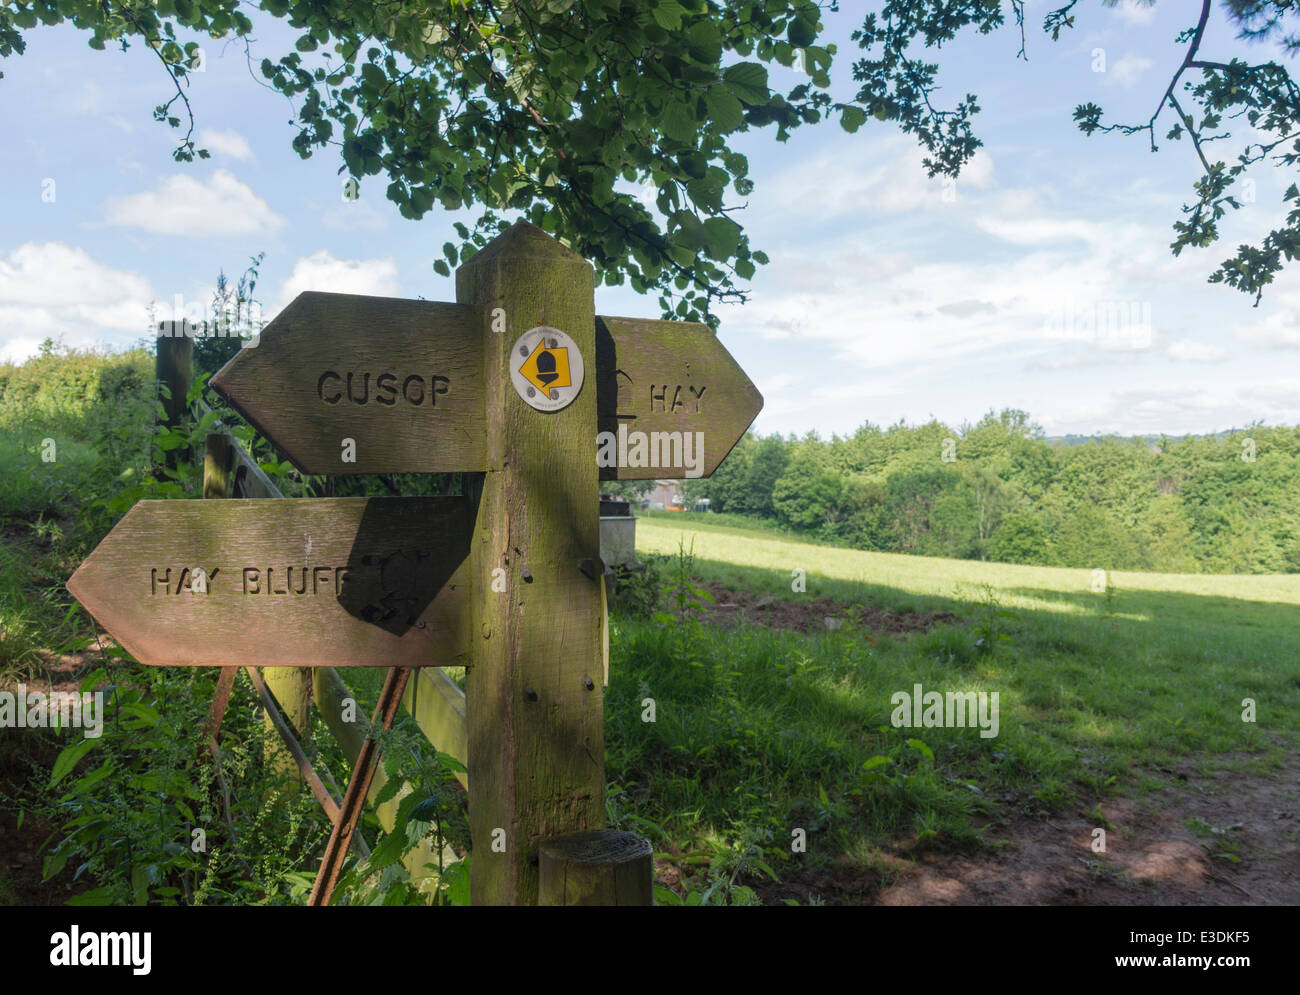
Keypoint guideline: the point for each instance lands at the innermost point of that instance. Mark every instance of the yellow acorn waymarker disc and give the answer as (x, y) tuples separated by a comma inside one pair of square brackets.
[(546, 368)]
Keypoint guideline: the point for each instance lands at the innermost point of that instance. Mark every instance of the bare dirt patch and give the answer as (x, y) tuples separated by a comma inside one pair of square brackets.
[(730, 608), (1173, 846)]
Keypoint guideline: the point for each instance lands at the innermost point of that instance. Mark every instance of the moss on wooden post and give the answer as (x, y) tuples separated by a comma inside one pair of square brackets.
[(218, 459), (291, 688), (533, 687)]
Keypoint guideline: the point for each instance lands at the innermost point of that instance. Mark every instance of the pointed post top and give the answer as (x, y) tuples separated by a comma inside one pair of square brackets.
[(523, 239)]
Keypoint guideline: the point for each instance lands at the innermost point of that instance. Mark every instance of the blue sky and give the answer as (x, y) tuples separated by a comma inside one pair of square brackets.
[(889, 296)]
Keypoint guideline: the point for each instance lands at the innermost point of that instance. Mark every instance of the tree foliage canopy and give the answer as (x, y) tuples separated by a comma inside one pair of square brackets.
[(543, 106)]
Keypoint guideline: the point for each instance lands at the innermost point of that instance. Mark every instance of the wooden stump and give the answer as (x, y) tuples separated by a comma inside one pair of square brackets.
[(596, 867)]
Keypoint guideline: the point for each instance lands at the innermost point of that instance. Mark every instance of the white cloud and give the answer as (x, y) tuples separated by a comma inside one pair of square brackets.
[(1128, 69), (1148, 410), (889, 180), (1192, 351), (1139, 12), (228, 143), (879, 311), (1279, 327), (185, 206), (1046, 230), (353, 215), (55, 290), (18, 350), (781, 397), (1283, 396), (777, 383), (323, 271)]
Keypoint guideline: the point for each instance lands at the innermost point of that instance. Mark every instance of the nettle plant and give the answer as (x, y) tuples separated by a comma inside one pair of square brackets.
[(146, 817)]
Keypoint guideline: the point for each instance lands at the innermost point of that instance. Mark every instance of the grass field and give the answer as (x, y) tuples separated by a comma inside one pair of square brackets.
[(760, 733)]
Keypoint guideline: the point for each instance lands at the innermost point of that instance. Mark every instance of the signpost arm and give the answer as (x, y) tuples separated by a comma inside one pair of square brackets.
[(533, 688)]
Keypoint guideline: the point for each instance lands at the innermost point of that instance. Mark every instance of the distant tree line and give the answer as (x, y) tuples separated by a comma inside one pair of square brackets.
[(999, 490)]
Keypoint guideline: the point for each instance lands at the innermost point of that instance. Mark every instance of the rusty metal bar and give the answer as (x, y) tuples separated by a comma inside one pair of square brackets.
[(225, 684), (336, 850), (318, 789)]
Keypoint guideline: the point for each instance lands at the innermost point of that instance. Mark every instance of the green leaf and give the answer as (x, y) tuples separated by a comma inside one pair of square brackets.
[(665, 895), (668, 14), (705, 42), (691, 233), (140, 884), (389, 791), (457, 878), (93, 778), (725, 111), (748, 81), (852, 118), (724, 237), (69, 758), (451, 764), (53, 864), (389, 850), (916, 744), (427, 810), (96, 896), (802, 31), (679, 123)]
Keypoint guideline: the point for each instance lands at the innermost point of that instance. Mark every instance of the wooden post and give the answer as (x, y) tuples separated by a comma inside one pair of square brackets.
[(602, 867), (291, 688), (218, 461), (533, 688), (173, 366)]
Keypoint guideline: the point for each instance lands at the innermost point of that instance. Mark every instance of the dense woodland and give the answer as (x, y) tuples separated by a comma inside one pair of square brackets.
[(999, 490)]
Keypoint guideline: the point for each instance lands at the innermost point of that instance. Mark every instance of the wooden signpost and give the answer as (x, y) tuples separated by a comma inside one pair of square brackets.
[(520, 381), (656, 379), (403, 381), (331, 582)]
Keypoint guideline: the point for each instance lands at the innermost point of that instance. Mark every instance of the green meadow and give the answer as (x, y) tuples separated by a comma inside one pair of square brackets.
[(760, 732)]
